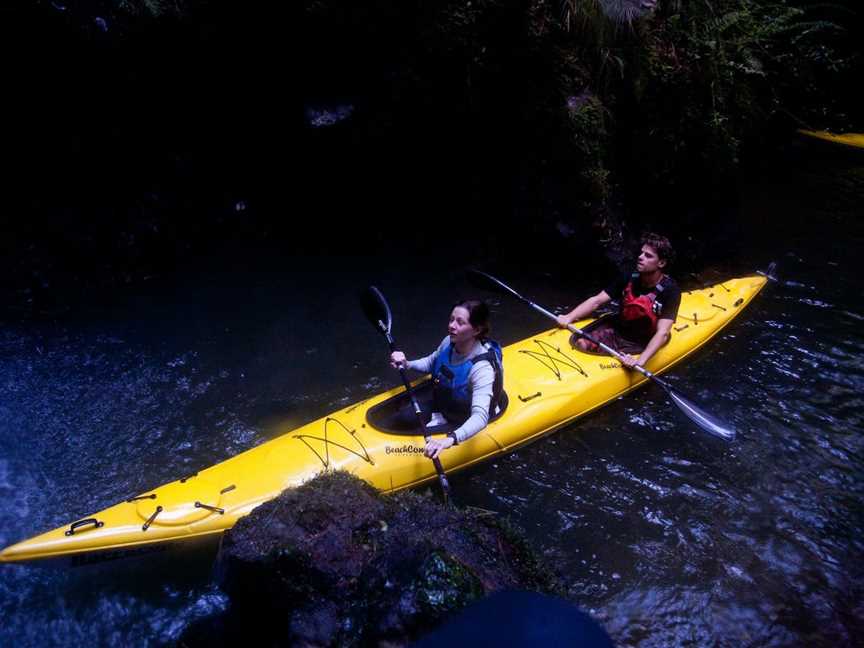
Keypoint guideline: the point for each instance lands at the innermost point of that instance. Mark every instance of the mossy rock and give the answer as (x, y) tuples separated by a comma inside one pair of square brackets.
[(335, 563), (444, 584)]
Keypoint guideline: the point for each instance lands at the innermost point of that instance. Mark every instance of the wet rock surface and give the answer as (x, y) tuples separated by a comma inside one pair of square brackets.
[(334, 563)]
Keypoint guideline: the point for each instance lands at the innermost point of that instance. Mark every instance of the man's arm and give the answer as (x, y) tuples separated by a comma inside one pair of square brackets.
[(659, 338), (584, 309)]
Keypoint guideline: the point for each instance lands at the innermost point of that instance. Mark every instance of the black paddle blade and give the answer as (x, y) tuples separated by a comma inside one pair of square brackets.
[(485, 281), (376, 309), (703, 419)]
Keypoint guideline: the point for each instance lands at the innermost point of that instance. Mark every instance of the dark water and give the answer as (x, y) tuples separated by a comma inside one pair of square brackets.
[(668, 536)]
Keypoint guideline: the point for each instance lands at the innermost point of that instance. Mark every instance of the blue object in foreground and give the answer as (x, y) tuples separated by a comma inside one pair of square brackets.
[(519, 619)]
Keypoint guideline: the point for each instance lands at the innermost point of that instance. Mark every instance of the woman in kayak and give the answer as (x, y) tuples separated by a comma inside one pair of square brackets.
[(466, 374)]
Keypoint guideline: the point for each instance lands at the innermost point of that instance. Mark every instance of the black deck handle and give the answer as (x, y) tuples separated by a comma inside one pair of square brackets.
[(96, 524), (151, 518), (215, 509), (141, 497)]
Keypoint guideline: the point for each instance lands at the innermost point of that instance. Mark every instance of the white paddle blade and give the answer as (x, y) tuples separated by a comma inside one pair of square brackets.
[(704, 420)]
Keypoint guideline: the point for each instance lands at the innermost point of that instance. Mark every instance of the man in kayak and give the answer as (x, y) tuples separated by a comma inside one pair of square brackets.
[(466, 374), (649, 305)]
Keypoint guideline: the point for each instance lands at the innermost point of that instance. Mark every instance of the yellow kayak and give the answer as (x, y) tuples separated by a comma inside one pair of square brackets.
[(548, 384), (854, 140)]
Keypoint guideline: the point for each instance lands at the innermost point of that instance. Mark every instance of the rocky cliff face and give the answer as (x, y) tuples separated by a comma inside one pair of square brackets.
[(141, 131)]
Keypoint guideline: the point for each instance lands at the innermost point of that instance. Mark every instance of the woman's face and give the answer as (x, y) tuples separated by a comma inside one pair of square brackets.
[(460, 328)]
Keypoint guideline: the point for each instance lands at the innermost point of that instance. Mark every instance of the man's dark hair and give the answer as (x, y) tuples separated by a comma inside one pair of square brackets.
[(661, 246)]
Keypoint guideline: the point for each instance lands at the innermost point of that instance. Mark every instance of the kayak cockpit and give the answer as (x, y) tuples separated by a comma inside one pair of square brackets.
[(396, 416)]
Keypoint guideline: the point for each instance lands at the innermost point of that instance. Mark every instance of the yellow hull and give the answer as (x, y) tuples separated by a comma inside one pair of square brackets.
[(854, 140), (549, 385)]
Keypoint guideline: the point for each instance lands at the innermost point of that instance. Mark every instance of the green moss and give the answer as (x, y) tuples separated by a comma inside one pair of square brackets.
[(443, 584), (597, 182), (524, 558), (587, 118), (709, 76)]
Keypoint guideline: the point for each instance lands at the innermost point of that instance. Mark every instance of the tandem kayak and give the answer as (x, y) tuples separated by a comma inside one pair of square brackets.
[(853, 140), (548, 383)]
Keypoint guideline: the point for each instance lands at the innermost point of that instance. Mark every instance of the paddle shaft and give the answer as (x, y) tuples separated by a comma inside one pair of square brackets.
[(442, 477)]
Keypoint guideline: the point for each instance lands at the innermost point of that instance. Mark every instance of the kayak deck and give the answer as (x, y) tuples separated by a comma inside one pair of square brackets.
[(549, 385)]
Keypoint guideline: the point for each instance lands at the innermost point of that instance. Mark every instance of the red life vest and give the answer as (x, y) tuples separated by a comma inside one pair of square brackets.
[(639, 314)]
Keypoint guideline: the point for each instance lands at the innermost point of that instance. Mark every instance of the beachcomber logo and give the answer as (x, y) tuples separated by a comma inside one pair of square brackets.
[(611, 365), (403, 449)]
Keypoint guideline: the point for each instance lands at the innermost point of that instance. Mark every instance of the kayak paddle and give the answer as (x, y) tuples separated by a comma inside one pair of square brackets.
[(700, 417), (377, 311)]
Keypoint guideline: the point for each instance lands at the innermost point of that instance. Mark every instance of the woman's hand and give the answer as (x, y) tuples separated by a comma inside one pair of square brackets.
[(436, 446), (563, 321), (397, 360)]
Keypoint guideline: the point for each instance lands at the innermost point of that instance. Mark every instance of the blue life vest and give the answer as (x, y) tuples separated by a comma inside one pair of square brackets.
[(451, 387)]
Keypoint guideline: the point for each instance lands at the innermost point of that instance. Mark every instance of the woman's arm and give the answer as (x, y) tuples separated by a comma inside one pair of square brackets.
[(482, 377), (423, 365)]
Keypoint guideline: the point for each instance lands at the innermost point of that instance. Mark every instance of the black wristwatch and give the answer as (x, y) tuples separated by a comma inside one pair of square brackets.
[(453, 436)]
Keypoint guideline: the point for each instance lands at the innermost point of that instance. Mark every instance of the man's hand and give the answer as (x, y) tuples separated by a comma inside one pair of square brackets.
[(628, 361), (563, 321), (398, 361), (436, 446)]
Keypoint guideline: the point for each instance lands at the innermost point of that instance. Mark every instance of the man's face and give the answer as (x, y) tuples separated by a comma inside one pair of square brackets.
[(648, 260)]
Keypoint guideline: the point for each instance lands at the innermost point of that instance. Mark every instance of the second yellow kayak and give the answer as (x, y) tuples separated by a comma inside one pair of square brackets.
[(853, 140)]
